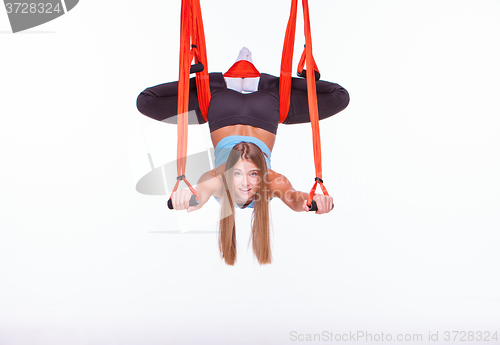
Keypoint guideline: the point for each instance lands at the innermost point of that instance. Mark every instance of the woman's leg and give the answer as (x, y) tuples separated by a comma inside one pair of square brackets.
[(332, 99), (160, 103)]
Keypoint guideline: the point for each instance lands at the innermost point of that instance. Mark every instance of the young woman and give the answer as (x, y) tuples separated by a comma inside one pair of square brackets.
[(245, 180), (244, 108)]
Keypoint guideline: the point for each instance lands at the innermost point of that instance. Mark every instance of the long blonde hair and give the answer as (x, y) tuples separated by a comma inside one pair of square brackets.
[(261, 242)]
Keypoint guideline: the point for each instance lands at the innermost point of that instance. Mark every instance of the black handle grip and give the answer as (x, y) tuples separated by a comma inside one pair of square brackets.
[(197, 68), (317, 75), (314, 206), (192, 202)]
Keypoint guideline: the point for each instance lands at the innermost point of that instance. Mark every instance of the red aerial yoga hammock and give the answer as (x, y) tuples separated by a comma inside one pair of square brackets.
[(193, 46), (310, 74)]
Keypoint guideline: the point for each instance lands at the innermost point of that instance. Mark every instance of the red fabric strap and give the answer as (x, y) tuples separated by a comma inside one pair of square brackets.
[(286, 84), (242, 69), (192, 45)]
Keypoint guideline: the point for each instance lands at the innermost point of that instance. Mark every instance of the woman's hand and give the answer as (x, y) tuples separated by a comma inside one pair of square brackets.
[(324, 203), (180, 200), (206, 187)]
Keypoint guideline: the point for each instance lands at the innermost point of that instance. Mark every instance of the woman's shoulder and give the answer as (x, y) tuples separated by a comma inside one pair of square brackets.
[(278, 182), (280, 187), (213, 180)]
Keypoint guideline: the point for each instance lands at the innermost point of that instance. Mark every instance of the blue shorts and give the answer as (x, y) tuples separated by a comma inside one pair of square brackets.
[(224, 147)]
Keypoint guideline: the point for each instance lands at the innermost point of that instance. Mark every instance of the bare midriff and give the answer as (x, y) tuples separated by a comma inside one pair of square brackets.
[(267, 137)]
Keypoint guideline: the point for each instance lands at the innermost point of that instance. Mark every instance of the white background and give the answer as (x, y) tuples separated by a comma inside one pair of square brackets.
[(412, 245)]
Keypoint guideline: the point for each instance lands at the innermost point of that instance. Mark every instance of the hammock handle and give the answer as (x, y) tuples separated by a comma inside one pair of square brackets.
[(192, 202)]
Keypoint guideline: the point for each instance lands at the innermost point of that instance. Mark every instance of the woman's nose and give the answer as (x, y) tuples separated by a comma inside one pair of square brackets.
[(244, 180)]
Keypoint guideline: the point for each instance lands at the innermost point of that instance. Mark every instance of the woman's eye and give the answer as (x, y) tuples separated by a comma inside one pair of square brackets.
[(237, 174)]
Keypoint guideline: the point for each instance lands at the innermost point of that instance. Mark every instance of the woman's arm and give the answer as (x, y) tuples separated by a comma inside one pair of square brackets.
[(282, 188), (206, 187)]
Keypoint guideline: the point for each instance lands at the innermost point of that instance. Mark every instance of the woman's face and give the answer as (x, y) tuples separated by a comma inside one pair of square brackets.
[(245, 181)]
